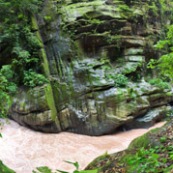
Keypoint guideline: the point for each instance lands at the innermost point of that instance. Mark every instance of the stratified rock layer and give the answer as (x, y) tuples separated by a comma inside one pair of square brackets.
[(88, 44)]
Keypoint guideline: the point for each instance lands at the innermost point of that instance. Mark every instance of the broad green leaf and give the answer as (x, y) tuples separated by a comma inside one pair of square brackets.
[(44, 169), (76, 164), (61, 171)]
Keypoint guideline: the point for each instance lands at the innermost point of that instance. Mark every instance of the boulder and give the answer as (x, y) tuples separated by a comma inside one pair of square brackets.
[(97, 112)]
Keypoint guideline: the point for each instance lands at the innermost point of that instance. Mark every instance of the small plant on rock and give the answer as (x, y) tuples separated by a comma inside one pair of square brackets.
[(45, 169), (160, 83), (120, 80)]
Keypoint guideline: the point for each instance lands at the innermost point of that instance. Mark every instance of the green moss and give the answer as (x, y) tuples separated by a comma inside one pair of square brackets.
[(114, 39), (34, 25), (42, 50), (47, 18), (141, 141), (45, 62), (169, 94), (62, 93), (83, 8), (50, 101), (48, 90), (51, 104), (125, 11)]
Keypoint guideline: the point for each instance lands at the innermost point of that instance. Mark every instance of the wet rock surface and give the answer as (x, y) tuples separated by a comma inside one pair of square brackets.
[(88, 44)]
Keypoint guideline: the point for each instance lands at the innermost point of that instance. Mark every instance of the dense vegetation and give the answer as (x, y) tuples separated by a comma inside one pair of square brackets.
[(19, 53), (165, 63), (5, 169), (156, 154)]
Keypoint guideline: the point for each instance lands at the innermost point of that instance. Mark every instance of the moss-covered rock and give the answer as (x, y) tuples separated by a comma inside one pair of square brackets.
[(95, 55)]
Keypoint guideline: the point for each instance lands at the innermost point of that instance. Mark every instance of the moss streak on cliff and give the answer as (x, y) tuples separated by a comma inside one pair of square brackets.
[(42, 50), (48, 90), (51, 104)]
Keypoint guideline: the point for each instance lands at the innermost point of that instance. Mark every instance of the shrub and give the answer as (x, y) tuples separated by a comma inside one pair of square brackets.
[(120, 80), (7, 87), (33, 79), (160, 83), (149, 160), (19, 39), (165, 63)]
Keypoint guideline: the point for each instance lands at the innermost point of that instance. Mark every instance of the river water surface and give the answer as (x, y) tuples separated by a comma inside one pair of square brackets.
[(23, 149)]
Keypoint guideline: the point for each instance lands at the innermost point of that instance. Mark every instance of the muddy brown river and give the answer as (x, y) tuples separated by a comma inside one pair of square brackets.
[(23, 149)]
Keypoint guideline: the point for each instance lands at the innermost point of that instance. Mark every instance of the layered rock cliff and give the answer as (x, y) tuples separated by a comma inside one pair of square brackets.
[(95, 55)]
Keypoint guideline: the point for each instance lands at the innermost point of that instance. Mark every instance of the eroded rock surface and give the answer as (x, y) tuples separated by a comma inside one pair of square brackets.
[(88, 45)]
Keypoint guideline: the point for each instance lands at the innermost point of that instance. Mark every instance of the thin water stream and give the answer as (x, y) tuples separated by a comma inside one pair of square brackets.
[(23, 149)]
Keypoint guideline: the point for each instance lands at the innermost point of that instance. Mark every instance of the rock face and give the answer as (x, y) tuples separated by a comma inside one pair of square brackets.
[(97, 53)]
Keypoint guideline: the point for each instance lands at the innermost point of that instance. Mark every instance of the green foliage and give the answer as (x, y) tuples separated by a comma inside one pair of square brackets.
[(161, 44), (94, 21), (19, 7), (48, 19), (17, 37), (165, 63), (120, 80), (45, 169), (7, 87), (7, 72), (5, 169), (138, 142), (163, 139), (116, 39), (124, 7), (149, 160), (33, 79), (152, 63), (144, 161), (160, 83), (76, 165), (20, 46), (153, 8), (155, 156)]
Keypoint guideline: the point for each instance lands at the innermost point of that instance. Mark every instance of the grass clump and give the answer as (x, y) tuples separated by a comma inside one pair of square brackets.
[(160, 83), (120, 80), (151, 153)]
